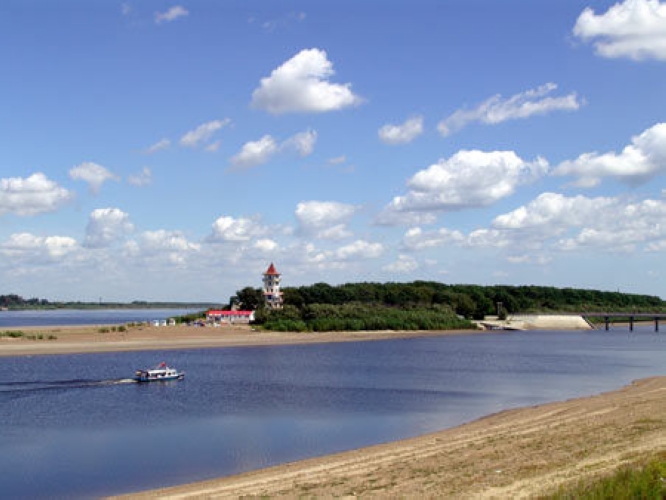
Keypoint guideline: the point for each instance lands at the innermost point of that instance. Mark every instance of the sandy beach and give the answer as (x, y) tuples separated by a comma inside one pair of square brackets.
[(89, 338), (515, 453)]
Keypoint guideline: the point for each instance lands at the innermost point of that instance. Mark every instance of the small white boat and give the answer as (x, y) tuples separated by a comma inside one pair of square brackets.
[(161, 373)]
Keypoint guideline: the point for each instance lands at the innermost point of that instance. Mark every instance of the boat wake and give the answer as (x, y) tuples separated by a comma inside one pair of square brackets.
[(49, 385)]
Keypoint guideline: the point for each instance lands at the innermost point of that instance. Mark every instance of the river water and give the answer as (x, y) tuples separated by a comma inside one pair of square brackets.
[(56, 317), (75, 426)]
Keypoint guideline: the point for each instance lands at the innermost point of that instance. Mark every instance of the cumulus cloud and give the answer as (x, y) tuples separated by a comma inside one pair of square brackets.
[(32, 195), (171, 247), (635, 29), (28, 247), (255, 153), (171, 14), (467, 179), (417, 239), (106, 226), (573, 223), (359, 249), (95, 175), (402, 134), (638, 162), (265, 245), (143, 178), (302, 143), (231, 229), (324, 219), (404, 264), (302, 85), (498, 109), (202, 133)]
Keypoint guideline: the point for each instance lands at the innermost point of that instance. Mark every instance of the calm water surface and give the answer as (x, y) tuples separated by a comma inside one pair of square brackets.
[(74, 426), (56, 317)]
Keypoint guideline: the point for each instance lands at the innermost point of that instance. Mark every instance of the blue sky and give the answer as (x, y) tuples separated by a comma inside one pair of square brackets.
[(158, 150)]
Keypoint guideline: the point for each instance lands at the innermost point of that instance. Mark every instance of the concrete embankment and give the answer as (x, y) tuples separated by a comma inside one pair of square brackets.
[(537, 322)]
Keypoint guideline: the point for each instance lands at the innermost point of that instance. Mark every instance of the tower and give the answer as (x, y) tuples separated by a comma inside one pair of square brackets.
[(272, 292)]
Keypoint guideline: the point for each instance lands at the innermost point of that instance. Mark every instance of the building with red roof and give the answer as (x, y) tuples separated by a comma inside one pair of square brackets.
[(272, 293)]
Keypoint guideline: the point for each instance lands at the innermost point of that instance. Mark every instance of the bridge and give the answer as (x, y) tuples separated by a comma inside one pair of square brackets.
[(633, 317)]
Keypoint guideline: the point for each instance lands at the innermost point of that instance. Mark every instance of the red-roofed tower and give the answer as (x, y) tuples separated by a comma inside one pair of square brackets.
[(272, 292)]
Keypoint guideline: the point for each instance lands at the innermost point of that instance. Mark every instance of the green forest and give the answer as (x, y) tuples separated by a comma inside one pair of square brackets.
[(426, 305)]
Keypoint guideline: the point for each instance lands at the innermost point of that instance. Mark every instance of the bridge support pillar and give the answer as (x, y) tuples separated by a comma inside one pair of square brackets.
[(607, 320), (631, 323), (656, 324)]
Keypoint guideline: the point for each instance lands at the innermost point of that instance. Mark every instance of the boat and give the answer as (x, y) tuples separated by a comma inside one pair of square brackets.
[(161, 373)]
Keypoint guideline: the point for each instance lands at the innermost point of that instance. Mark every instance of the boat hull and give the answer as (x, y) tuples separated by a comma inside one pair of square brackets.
[(179, 376)]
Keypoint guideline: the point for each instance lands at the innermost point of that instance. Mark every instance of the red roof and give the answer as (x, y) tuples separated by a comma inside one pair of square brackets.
[(271, 270), (228, 313)]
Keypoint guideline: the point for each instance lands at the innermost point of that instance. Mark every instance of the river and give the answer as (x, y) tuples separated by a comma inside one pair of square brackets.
[(75, 426)]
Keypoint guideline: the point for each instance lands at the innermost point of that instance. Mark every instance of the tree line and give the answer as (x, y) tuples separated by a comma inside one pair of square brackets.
[(353, 306)]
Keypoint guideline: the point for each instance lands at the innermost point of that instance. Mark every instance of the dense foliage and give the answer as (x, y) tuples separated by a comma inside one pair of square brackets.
[(426, 305), (304, 305), (354, 316)]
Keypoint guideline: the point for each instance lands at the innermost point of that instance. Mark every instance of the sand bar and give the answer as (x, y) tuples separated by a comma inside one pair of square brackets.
[(90, 338)]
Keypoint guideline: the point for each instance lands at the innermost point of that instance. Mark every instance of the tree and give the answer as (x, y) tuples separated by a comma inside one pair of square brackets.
[(249, 298)]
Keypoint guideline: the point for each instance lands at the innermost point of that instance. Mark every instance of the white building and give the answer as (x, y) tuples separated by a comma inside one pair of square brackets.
[(272, 292)]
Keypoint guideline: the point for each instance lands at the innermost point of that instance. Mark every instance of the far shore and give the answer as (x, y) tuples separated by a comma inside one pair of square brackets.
[(72, 339), (102, 338)]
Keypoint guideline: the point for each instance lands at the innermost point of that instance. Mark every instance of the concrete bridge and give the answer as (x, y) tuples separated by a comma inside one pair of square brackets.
[(633, 317)]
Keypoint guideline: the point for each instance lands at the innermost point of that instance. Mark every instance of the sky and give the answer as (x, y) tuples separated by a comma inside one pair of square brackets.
[(171, 150)]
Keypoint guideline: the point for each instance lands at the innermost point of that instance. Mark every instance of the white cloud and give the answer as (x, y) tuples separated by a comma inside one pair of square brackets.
[(301, 85), (467, 179), (227, 228), (574, 223), (417, 239), (404, 264), (95, 175), (402, 134), (30, 196), (359, 249), (143, 178), (106, 226), (635, 29), (158, 146), (202, 133), (266, 245), (303, 143), (171, 246), (638, 162), (213, 146), (324, 219), (522, 105), (255, 153), (28, 247), (171, 14)]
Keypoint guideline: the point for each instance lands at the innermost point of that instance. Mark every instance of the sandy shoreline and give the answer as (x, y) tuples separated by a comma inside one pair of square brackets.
[(90, 338), (514, 453)]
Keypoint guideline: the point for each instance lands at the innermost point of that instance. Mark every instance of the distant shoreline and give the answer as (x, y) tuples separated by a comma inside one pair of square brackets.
[(100, 338)]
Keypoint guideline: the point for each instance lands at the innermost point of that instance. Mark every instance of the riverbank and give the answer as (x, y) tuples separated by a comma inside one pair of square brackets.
[(512, 454), (90, 338)]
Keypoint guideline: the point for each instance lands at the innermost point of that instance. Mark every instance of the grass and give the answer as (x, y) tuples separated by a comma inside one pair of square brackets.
[(14, 334), (645, 480)]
